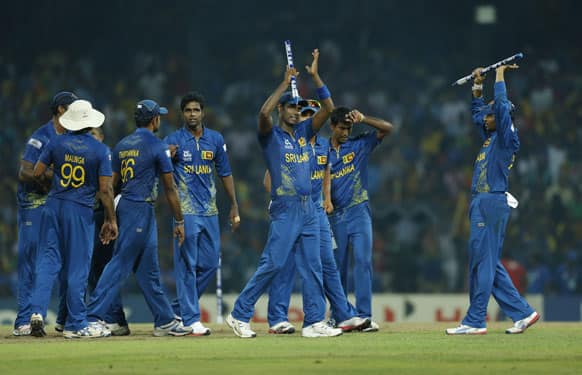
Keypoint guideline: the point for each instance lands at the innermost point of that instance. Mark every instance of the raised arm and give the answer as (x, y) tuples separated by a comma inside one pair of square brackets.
[(265, 119), (323, 94), (478, 103), (382, 127), (502, 108)]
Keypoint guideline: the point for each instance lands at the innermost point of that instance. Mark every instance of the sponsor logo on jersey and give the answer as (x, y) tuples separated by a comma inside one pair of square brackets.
[(288, 145), (348, 158), (207, 155), (187, 155)]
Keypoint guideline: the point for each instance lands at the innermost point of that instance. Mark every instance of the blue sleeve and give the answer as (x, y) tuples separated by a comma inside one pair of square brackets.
[(221, 159), (105, 162), (34, 148), (163, 158), (503, 123), (370, 140), (115, 163), (478, 118), (46, 155)]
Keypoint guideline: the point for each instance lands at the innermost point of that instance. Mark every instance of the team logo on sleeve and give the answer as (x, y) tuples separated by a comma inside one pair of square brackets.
[(348, 158), (322, 160), (302, 142), (207, 155), (487, 141), (35, 143)]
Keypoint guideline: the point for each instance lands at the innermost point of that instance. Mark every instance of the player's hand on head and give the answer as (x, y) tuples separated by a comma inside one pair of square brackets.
[(290, 72), (478, 77), (313, 68), (355, 116)]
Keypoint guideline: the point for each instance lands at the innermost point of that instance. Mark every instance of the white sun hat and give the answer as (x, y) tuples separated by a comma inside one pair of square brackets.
[(81, 115)]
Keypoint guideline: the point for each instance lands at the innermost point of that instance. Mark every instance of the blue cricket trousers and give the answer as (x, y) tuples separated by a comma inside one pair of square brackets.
[(282, 285), (489, 214), (195, 263), (66, 233), (353, 226), (136, 249), (294, 224)]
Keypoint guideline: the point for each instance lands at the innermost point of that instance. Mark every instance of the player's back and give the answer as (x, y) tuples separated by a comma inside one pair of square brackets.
[(138, 159), (78, 161)]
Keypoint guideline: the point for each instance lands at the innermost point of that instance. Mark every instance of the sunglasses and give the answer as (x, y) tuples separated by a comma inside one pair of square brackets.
[(310, 103)]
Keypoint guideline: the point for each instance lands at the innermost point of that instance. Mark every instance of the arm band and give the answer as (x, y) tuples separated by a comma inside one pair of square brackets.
[(323, 93)]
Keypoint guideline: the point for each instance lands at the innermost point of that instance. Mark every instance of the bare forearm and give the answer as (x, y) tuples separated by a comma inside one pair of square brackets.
[(327, 185), (380, 125), (106, 198), (174, 203), (265, 121), (228, 182)]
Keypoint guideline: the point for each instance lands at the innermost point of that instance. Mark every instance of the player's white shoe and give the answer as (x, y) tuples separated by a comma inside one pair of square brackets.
[(373, 327), (320, 329), (174, 328), (37, 325), (354, 323), (199, 330), (463, 329), (92, 331), (117, 330), (240, 328), (282, 328), (521, 325), (22, 330)]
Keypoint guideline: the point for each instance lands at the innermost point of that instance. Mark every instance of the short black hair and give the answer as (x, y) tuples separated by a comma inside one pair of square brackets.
[(339, 115), (193, 96)]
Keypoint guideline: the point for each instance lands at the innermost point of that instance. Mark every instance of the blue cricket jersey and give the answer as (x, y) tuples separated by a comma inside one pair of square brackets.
[(349, 170), (318, 165), (139, 159), (30, 195), (78, 160), (287, 158), (194, 165), (496, 157)]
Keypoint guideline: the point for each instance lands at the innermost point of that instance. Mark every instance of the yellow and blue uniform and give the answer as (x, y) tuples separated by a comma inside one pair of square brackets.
[(294, 229), (351, 221), (489, 214), (139, 159), (196, 261), (31, 199), (282, 285), (67, 227)]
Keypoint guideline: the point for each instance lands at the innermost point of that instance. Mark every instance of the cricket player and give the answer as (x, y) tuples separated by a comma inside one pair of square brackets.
[(81, 166), (282, 286), (292, 211), (198, 153), (350, 219), (139, 161), (101, 256), (489, 213), (31, 198)]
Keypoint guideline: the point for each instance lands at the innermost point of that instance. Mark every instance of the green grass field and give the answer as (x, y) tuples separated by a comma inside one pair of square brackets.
[(400, 348)]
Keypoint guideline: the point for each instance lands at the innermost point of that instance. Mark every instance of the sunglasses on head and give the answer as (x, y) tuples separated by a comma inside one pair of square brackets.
[(310, 103)]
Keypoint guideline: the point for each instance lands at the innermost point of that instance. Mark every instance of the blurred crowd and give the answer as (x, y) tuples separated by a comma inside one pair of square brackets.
[(420, 176)]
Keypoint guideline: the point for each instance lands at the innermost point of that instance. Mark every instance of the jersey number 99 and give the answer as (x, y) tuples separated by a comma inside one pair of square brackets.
[(73, 175), (127, 169)]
